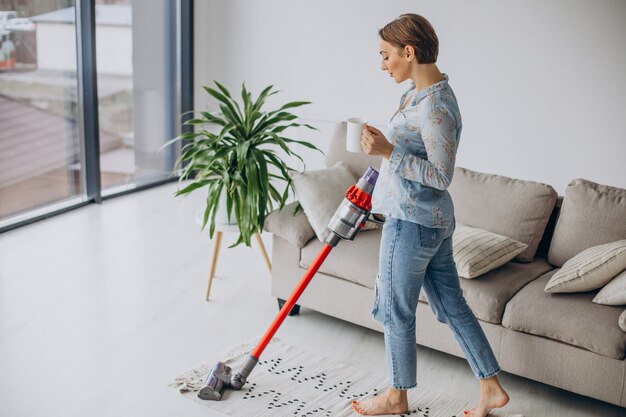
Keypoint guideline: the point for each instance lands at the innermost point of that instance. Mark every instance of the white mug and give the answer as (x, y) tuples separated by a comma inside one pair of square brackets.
[(353, 136)]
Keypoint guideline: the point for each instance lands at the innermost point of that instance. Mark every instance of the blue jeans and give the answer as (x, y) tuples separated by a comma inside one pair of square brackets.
[(412, 256)]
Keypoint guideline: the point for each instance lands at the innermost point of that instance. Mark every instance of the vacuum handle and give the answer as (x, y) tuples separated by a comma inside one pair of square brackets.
[(371, 218), (291, 301)]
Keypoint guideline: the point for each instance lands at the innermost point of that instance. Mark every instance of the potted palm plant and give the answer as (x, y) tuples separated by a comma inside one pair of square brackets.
[(237, 161)]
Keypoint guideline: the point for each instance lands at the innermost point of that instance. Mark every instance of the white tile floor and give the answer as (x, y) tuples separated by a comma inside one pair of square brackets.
[(102, 306)]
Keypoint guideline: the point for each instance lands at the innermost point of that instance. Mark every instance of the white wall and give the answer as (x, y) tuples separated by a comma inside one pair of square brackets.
[(541, 85)]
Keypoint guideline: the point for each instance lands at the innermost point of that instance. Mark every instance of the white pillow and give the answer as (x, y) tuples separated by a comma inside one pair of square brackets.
[(613, 293), (294, 228), (320, 192), (622, 321), (477, 251), (590, 269)]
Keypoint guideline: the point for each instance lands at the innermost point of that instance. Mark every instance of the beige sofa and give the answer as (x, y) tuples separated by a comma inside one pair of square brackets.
[(563, 340)]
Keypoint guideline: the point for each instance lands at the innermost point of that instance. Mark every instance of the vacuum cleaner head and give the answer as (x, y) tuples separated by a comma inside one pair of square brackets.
[(216, 383), (221, 378)]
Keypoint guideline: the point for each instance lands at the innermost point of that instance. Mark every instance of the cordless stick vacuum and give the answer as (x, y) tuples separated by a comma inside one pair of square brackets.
[(347, 221)]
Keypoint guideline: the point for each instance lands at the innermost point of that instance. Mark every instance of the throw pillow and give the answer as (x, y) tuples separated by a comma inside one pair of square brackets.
[(613, 293), (622, 321), (320, 192), (294, 228), (590, 269), (477, 251)]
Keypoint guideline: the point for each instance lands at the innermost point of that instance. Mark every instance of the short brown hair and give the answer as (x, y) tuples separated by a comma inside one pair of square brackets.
[(414, 30)]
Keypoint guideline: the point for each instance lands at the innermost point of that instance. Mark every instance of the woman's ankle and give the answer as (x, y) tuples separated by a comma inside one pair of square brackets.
[(490, 384), (397, 394)]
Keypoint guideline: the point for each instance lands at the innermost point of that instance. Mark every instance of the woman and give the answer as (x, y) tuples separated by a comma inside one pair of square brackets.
[(416, 245)]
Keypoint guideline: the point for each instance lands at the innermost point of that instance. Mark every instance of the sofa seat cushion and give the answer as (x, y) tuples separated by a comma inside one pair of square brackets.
[(570, 318), (488, 295), (509, 207), (355, 261)]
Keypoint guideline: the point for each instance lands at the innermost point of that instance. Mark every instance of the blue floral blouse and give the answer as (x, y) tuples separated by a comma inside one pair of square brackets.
[(412, 184)]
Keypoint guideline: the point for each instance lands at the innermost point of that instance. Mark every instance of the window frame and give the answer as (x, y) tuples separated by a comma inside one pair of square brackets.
[(89, 134)]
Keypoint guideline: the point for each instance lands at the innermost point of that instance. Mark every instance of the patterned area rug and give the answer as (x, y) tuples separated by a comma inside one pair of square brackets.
[(289, 381)]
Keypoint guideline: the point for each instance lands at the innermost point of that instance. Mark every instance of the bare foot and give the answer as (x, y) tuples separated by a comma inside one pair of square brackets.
[(492, 395), (391, 402)]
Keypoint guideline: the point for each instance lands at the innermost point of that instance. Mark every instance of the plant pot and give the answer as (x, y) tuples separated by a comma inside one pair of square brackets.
[(221, 216)]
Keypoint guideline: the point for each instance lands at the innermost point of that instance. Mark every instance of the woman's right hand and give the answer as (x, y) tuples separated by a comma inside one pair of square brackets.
[(374, 142)]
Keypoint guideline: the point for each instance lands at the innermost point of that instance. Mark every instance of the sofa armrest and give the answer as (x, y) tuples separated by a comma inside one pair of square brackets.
[(294, 228)]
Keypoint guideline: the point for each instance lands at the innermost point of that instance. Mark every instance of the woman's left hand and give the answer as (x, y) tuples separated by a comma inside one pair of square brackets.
[(375, 143)]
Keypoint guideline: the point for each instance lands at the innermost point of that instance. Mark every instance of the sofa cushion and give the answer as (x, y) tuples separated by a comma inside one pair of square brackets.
[(488, 295), (355, 261), (591, 214), (506, 206), (590, 269), (613, 293), (570, 318), (294, 228), (477, 251), (357, 163)]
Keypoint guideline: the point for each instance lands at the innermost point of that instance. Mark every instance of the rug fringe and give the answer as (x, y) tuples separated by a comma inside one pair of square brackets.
[(191, 380), (194, 379)]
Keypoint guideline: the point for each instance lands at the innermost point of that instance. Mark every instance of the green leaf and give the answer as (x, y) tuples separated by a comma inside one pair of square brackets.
[(303, 143), (214, 119), (192, 187), (262, 164), (285, 194), (275, 194), (196, 122), (310, 127), (211, 206), (223, 89), (233, 111), (247, 107), (242, 154), (261, 99), (294, 104)]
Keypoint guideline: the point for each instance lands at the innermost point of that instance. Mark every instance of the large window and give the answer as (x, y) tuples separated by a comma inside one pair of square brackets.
[(136, 95), (89, 92), (39, 135)]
